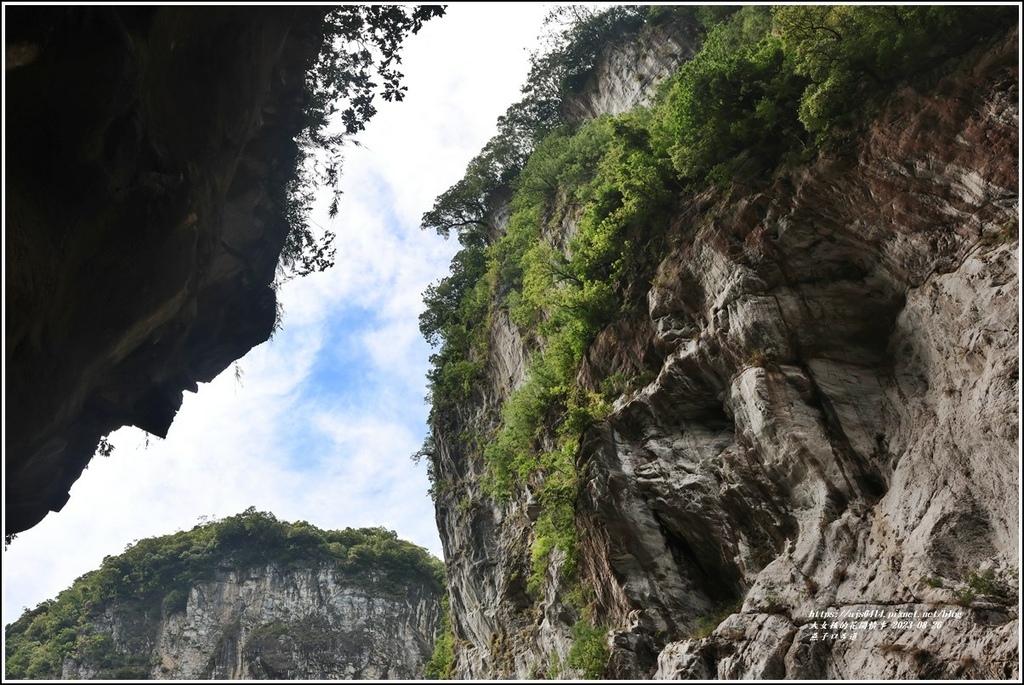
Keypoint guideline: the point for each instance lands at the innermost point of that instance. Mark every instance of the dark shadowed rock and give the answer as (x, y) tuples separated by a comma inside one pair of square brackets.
[(146, 157)]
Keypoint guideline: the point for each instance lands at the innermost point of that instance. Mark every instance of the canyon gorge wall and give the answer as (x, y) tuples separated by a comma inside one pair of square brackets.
[(806, 463), (819, 416)]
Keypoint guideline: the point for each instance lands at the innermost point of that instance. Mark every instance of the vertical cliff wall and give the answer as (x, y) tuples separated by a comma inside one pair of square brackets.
[(811, 468), (146, 158), (627, 71), (501, 628)]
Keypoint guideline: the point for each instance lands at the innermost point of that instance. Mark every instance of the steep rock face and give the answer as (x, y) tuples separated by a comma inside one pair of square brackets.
[(278, 623), (832, 427), (626, 74), (139, 222), (502, 632), (485, 542)]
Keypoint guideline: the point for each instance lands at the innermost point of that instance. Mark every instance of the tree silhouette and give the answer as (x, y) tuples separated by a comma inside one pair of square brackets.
[(358, 60)]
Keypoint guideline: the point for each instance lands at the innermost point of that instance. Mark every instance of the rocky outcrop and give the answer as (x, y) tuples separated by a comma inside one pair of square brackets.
[(142, 228), (815, 473), (281, 624)]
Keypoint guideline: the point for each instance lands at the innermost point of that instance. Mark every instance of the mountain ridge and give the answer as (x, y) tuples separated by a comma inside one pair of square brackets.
[(244, 597)]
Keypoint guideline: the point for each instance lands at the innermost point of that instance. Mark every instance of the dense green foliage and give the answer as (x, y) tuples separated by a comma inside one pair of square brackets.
[(733, 104), (589, 651), (457, 307), (568, 60), (442, 660), (769, 87), (155, 575), (851, 53), (360, 43)]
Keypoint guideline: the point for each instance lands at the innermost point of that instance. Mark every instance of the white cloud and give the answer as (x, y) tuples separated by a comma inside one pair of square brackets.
[(299, 436)]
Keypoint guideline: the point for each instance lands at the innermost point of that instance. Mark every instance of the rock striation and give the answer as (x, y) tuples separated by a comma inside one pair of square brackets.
[(142, 224), (277, 623), (822, 435)]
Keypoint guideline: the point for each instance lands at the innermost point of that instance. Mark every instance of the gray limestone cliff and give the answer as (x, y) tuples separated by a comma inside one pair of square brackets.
[(820, 435), (280, 624)]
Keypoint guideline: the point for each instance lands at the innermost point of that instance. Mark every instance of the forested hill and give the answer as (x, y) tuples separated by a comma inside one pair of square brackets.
[(247, 596)]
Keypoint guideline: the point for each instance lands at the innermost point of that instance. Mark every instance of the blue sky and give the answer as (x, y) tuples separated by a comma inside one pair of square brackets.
[(323, 421)]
